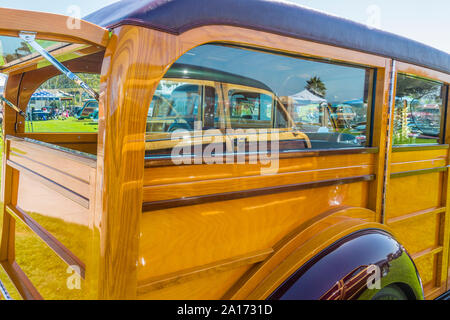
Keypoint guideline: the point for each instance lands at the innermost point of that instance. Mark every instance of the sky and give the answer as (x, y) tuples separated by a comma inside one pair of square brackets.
[(424, 21)]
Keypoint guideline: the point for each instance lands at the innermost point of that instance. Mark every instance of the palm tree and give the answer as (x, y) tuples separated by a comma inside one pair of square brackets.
[(316, 86)]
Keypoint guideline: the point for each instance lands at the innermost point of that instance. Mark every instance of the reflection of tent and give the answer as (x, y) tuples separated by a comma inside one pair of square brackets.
[(306, 97), (49, 95), (41, 97)]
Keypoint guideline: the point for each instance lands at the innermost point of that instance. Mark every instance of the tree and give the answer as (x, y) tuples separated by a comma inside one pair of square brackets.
[(316, 86), (62, 82)]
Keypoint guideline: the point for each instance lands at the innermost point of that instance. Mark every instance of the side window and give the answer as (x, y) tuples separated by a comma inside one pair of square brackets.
[(60, 105), (247, 96), (418, 111)]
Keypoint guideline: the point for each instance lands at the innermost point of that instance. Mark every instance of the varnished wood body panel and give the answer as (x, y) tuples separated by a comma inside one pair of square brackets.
[(122, 145), (83, 142), (172, 184), (223, 248), (416, 212), (50, 211), (50, 27)]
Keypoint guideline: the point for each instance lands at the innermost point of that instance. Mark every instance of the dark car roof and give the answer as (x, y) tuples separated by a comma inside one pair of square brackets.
[(178, 16), (186, 71)]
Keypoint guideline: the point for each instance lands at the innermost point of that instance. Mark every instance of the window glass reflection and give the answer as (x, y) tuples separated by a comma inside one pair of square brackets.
[(418, 110), (225, 87)]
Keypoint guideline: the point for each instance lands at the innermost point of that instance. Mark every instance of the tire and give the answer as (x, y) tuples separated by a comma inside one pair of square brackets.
[(391, 292)]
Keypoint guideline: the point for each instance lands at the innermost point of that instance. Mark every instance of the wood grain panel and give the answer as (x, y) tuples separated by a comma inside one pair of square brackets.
[(416, 215), (61, 137), (216, 186), (211, 269), (203, 288), (57, 176), (422, 72), (50, 26), (418, 165), (176, 174), (84, 142), (127, 85), (65, 219), (242, 194), (419, 155), (69, 163), (167, 161), (196, 231), (380, 119), (426, 265), (51, 184), (425, 227), (180, 238), (407, 194)]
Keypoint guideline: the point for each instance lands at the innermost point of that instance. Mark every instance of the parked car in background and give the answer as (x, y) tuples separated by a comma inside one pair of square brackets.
[(89, 107)]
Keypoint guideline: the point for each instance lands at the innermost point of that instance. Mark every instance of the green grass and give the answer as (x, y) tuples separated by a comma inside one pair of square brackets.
[(44, 268), (67, 125)]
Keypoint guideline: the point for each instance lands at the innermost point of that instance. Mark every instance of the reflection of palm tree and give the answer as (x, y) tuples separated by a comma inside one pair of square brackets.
[(316, 86)]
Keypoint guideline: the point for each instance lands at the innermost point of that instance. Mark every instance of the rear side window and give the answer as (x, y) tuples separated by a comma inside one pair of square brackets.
[(418, 114), (248, 95), (60, 105)]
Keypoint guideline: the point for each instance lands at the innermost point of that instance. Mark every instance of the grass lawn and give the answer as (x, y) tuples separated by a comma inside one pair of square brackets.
[(43, 267), (67, 125), (46, 270)]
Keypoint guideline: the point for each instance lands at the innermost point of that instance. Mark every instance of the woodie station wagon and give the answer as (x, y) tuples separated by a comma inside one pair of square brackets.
[(245, 150)]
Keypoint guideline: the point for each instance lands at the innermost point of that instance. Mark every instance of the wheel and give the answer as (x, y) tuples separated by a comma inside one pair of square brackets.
[(392, 292)]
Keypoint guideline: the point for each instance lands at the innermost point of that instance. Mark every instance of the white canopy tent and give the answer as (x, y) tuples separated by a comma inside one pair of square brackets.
[(306, 97)]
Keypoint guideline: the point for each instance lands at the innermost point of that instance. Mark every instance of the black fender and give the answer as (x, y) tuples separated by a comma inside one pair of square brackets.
[(348, 269)]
